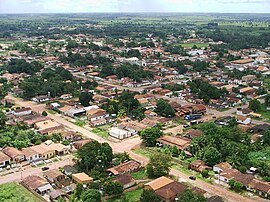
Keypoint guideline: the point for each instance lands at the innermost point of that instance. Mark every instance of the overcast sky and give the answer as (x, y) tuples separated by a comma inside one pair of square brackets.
[(74, 6)]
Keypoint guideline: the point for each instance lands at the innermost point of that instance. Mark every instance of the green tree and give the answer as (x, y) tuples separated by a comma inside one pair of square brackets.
[(164, 109), (267, 100), (205, 173), (189, 196), (235, 185), (112, 188), (211, 156), (85, 98), (91, 195), (266, 137), (150, 135), (44, 113), (3, 119), (149, 195), (94, 155), (159, 165), (255, 105)]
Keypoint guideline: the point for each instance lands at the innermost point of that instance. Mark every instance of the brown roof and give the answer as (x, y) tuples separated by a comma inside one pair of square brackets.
[(180, 142), (82, 177), (4, 157), (78, 144), (245, 179), (22, 110), (224, 165), (194, 132), (52, 174), (198, 190), (243, 61), (260, 185), (124, 179), (28, 152), (171, 190), (159, 182), (34, 181), (12, 152), (230, 173), (124, 167)]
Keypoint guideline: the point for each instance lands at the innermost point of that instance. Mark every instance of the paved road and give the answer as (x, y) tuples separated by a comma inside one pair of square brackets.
[(126, 146)]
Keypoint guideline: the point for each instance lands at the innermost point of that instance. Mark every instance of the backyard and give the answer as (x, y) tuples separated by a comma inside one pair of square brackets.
[(132, 196), (12, 192)]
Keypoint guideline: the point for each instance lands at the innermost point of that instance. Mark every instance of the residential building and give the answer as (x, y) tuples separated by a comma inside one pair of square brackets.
[(82, 178), (126, 180), (119, 133), (31, 155), (37, 183), (57, 178), (221, 167), (15, 154), (4, 160), (22, 111), (125, 167)]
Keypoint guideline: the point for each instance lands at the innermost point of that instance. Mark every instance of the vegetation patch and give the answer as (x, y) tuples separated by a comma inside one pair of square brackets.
[(12, 192)]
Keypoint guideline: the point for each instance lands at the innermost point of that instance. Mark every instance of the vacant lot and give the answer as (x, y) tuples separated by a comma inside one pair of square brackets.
[(13, 192)]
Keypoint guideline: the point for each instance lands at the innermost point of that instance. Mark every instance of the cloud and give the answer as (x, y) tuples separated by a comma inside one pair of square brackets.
[(49, 6)]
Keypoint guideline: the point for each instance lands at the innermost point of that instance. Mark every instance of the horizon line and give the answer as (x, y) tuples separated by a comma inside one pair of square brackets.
[(132, 12)]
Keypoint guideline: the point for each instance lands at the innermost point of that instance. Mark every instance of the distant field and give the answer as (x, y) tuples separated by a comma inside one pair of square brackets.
[(190, 45), (13, 192)]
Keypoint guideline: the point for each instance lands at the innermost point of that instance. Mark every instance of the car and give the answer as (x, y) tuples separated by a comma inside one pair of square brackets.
[(45, 168), (214, 117), (192, 177), (186, 125)]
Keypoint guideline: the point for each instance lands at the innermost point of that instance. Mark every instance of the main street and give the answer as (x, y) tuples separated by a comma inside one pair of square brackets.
[(123, 146)]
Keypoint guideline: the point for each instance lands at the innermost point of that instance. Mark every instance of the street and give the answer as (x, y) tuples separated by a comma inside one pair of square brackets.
[(123, 146)]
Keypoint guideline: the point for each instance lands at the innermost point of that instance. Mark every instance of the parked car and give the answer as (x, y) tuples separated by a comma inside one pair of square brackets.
[(45, 168), (192, 177)]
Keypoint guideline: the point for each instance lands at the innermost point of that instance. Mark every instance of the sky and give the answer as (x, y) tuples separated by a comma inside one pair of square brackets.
[(89, 6)]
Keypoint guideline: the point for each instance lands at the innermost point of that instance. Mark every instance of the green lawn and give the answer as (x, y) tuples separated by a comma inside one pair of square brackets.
[(102, 131), (190, 45), (132, 196), (265, 113), (79, 122), (140, 175), (13, 192)]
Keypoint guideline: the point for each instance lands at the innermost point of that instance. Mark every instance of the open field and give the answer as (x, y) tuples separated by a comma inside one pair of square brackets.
[(190, 45), (13, 192), (132, 196)]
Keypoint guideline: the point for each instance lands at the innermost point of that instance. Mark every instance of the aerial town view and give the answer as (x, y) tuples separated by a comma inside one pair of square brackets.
[(134, 101)]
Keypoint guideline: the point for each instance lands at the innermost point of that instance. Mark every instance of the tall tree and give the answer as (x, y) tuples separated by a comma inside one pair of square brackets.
[(91, 195), (164, 109), (149, 195), (149, 136), (159, 165), (85, 98), (255, 105)]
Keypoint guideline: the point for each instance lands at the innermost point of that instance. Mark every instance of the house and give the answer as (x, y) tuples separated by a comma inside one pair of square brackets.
[(96, 114), (56, 193), (198, 165), (71, 135), (48, 127), (132, 126), (69, 170), (15, 154), (228, 174), (82, 178), (244, 112), (260, 187), (56, 177), (261, 128), (169, 192), (31, 155), (193, 133), (223, 120), (44, 151), (22, 111), (243, 120), (119, 133), (221, 167), (79, 143), (37, 183), (158, 183), (125, 167), (126, 180), (4, 160), (181, 143), (42, 98)]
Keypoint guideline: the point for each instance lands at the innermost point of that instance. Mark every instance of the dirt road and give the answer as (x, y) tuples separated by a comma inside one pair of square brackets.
[(126, 146)]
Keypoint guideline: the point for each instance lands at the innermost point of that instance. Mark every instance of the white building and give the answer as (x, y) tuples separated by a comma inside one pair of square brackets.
[(119, 133)]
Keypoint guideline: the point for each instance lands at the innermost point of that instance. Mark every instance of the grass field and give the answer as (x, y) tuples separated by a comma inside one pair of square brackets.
[(140, 175), (13, 192), (132, 196), (102, 131), (190, 45)]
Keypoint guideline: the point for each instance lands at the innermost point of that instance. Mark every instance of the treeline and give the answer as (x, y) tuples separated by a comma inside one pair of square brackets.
[(134, 72), (57, 81), (22, 66), (78, 60), (206, 91)]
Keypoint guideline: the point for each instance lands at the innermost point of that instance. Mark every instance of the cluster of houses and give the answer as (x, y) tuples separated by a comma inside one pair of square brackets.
[(225, 172)]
